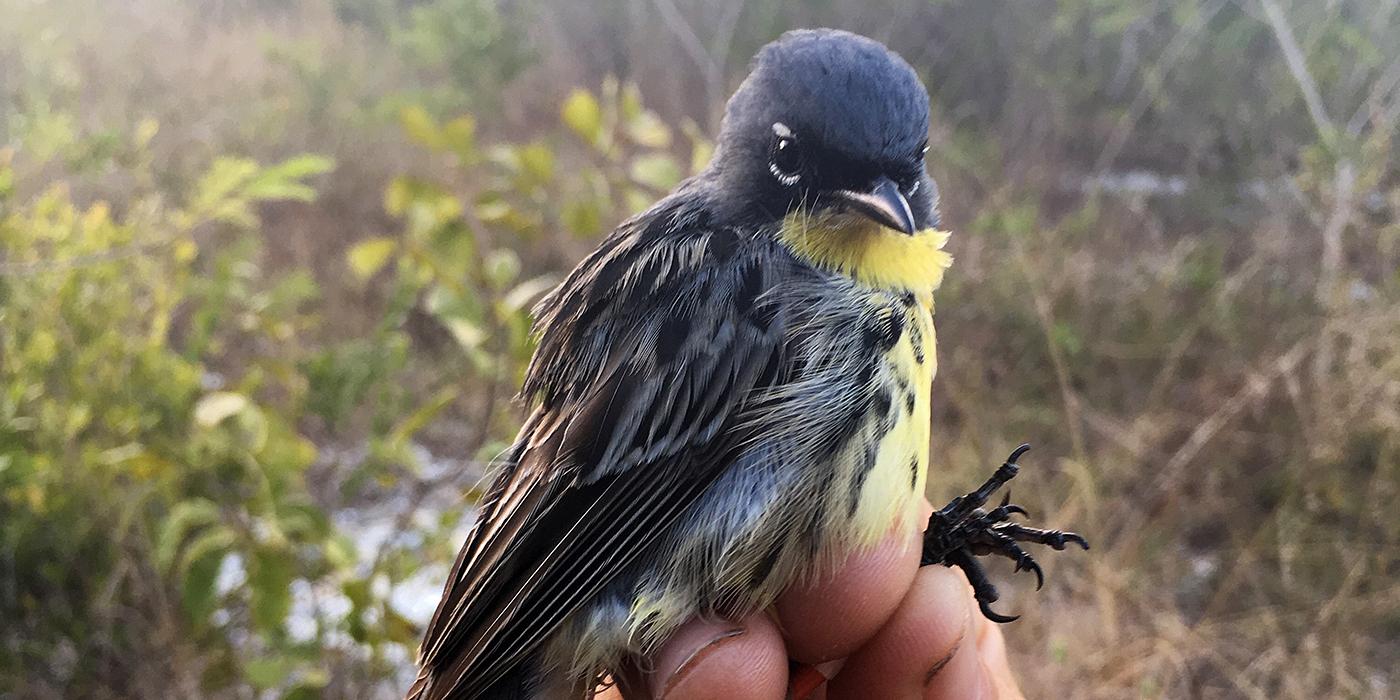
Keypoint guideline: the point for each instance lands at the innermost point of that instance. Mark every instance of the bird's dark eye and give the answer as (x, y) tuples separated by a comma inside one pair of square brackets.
[(786, 162)]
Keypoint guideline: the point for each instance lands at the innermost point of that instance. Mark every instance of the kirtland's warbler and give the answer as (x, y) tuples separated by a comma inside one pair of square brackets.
[(732, 393)]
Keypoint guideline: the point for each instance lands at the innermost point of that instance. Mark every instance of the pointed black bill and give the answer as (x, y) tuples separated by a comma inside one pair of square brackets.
[(884, 204)]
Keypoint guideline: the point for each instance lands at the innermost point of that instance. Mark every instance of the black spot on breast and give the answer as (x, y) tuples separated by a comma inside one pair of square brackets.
[(882, 329), (765, 566), (909, 402), (913, 471), (880, 403), (863, 470), (916, 341), (812, 530)]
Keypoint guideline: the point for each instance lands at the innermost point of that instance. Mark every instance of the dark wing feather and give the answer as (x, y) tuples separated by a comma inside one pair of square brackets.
[(646, 353)]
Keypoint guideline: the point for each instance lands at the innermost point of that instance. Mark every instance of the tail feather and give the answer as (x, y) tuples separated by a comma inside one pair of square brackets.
[(520, 683)]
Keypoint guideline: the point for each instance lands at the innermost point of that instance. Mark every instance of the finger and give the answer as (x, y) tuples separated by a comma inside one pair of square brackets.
[(991, 647), (926, 648), (966, 677), (717, 659), (834, 615)]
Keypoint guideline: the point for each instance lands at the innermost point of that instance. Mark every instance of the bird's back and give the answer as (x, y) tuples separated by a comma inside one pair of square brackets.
[(682, 367)]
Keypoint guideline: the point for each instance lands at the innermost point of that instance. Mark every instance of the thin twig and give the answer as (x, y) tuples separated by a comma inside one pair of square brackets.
[(694, 47), (1343, 181), (1297, 65)]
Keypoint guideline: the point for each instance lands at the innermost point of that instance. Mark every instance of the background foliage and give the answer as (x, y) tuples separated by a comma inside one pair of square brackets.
[(265, 272)]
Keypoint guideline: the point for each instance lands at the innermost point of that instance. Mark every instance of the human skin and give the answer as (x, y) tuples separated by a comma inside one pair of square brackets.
[(879, 627)]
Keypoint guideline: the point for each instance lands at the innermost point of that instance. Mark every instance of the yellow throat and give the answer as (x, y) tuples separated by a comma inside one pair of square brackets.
[(871, 254)]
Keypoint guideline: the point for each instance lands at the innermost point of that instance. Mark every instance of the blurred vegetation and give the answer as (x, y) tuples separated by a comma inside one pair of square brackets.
[(265, 272)]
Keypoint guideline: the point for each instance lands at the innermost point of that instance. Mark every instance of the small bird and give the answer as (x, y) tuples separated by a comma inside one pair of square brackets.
[(731, 393)]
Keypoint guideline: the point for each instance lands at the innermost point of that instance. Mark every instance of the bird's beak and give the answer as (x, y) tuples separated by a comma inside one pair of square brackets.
[(884, 204)]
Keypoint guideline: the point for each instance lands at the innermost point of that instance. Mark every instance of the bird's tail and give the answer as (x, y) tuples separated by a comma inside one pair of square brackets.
[(521, 683)]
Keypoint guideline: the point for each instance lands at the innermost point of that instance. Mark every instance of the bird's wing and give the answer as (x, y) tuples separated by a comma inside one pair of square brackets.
[(646, 353)]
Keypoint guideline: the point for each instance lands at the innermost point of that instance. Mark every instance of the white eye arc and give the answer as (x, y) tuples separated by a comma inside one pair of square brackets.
[(785, 179), (914, 187), (787, 174)]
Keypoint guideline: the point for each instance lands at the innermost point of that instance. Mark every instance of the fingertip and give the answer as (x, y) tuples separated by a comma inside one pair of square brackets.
[(713, 660), (833, 616), (924, 640)]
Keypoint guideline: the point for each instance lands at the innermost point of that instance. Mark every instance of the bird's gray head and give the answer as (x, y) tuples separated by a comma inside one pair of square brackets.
[(828, 119)]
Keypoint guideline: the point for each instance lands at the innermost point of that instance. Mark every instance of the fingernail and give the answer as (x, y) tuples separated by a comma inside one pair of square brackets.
[(696, 657)]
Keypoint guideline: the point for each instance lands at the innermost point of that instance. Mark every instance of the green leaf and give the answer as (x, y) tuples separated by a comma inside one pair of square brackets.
[(199, 569), (183, 519), (657, 171), (460, 136), (648, 130), (501, 265), (420, 126), (582, 114), (284, 180), (368, 257), (270, 581), (268, 671), (630, 101), (301, 167), (583, 217), (214, 408), (216, 196), (467, 334), (7, 180), (637, 200), (198, 588), (537, 161), (340, 552)]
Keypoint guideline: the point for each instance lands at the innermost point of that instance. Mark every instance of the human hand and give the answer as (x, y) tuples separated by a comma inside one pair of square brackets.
[(881, 627)]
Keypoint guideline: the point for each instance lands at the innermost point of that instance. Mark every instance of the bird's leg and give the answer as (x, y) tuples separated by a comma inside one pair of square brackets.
[(962, 531)]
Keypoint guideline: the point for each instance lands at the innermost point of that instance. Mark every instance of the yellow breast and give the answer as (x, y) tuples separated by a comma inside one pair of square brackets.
[(894, 485)]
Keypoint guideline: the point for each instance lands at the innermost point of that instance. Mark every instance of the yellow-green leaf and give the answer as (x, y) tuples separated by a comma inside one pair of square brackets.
[(420, 126), (657, 171), (582, 114), (184, 518), (368, 257), (213, 408), (647, 129), (460, 136)]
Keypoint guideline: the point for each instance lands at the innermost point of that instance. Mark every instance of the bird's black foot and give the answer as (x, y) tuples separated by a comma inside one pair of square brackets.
[(963, 530)]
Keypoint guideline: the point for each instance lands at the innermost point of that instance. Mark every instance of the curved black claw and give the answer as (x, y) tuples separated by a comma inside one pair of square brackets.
[(993, 615), (1016, 454), (1006, 509), (1029, 564), (962, 531)]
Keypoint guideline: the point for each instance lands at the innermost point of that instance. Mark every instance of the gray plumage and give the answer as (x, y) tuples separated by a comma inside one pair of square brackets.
[(709, 403)]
